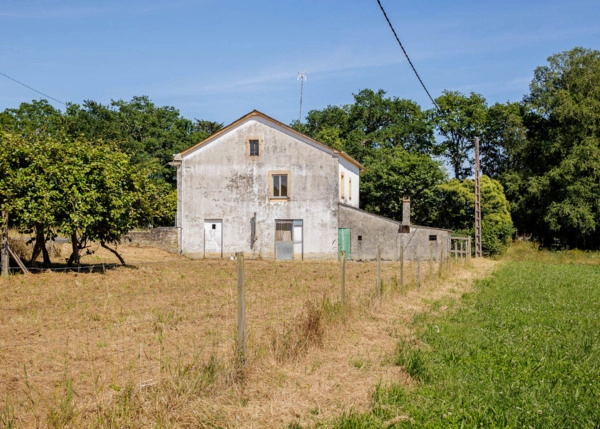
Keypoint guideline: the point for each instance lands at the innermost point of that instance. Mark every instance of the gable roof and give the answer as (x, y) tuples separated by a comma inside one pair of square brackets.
[(256, 113)]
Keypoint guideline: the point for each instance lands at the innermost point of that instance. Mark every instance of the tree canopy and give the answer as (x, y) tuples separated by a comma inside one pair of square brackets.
[(83, 190), (554, 182), (543, 151)]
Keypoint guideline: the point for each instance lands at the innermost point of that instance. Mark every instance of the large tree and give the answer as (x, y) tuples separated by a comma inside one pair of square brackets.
[(456, 201), (148, 133), (459, 119), (394, 173), (555, 183), (87, 191), (372, 122), (503, 137)]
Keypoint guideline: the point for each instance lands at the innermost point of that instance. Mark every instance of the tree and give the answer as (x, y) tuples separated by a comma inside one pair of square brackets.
[(373, 122), (394, 173), (148, 133), (87, 191), (504, 135), (457, 212), (555, 183), (459, 119)]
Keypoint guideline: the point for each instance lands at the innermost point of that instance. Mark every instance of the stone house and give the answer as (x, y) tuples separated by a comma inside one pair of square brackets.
[(261, 187)]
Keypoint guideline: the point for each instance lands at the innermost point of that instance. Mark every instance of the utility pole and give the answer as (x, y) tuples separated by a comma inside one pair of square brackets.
[(301, 78), (478, 252)]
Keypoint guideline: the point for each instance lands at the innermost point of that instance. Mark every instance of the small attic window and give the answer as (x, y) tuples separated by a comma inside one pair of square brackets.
[(254, 147)]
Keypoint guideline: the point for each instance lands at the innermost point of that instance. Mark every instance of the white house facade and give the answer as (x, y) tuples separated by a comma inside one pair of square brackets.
[(261, 187)]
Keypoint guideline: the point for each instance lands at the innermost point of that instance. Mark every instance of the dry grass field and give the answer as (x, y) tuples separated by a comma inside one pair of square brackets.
[(153, 343)]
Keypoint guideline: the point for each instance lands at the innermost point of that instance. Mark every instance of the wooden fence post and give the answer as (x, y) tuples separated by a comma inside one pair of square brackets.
[(449, 255), (343, 278), (430, 259), (469, 249), (4, 256), (402, 267), (441, 259), (241, 284), (418, 270), (379, 291)]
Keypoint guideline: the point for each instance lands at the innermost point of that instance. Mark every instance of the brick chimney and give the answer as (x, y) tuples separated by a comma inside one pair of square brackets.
[(406, 215)]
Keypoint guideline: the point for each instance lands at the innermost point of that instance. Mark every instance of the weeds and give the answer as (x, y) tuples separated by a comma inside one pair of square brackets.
[(61, 415), (297, 337), (7, 416), (413, 360)]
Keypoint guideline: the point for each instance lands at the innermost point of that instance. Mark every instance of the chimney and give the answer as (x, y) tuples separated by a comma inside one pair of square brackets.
[(406, 215)]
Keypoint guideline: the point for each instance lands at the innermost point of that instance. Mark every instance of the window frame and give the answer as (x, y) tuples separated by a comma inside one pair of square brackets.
[(279, 173), (249, 145)]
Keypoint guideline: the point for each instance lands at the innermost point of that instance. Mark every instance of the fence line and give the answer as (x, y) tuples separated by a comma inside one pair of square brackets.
[(115, 352)]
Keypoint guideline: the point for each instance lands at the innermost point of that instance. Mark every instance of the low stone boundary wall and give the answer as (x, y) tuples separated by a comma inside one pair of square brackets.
[(163, 238)]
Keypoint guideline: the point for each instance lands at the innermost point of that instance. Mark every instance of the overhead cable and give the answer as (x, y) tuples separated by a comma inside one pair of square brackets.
[(406, 55), (33, 89)]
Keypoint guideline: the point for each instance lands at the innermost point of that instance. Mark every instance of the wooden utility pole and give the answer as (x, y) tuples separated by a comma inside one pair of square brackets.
[(4, 253), (478, 252)]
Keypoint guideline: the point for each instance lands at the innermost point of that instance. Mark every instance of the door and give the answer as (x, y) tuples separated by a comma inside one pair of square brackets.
[(344, 242), (284, 240), (213, 238), (298, 239)]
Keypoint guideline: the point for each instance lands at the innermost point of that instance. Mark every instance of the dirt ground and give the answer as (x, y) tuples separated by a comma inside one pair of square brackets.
[(165, 328)]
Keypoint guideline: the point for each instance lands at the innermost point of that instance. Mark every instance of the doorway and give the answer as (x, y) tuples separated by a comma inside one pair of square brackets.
[(213, 238)]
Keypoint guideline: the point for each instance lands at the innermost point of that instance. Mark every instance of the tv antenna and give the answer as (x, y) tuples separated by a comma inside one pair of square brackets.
[(301, 78)]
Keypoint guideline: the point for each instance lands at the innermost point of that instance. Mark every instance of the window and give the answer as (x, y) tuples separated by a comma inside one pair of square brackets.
[(350, 188), (342, 196), (253, 147), (280, 185)]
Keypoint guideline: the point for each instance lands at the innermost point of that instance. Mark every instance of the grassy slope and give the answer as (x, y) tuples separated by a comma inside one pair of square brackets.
[(522, 351)]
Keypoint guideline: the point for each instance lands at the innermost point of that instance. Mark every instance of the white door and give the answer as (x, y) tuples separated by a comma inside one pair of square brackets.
[(213, 238), (298, 240)]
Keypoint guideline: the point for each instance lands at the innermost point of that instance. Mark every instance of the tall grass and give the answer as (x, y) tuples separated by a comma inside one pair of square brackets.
[(522, 351)]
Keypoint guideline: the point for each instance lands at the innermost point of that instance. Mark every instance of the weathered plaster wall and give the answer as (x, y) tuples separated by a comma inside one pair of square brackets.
[(417, 243), (368, 231), (163, 238), (349, 189), (219, 180)]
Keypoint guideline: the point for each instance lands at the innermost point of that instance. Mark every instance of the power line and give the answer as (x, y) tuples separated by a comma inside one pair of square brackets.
[(406, 55), (33, 89)]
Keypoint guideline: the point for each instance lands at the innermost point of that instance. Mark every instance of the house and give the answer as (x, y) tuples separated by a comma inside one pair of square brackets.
[(261, 187)]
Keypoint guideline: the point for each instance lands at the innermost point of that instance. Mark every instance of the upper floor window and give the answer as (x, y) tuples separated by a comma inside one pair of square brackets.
[(350, 188), (254, 148), (280, 185), (342, 190)]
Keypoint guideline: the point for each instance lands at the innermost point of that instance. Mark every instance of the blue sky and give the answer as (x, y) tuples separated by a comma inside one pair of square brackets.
[(217, 59)]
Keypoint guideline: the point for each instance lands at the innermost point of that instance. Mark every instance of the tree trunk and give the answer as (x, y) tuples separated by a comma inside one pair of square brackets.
[(74, 258), (40, 247), (103, 244)]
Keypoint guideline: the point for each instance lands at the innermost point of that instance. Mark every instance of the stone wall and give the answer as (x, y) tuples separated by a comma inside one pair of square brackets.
[(163, 238)]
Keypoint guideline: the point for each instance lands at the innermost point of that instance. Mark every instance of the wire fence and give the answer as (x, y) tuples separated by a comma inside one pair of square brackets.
[(99, 332)]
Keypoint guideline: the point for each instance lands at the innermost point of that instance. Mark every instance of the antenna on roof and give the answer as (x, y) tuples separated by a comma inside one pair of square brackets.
[(301, 78)]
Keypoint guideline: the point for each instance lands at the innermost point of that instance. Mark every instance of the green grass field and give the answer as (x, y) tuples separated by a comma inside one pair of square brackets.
[(521, 351)]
